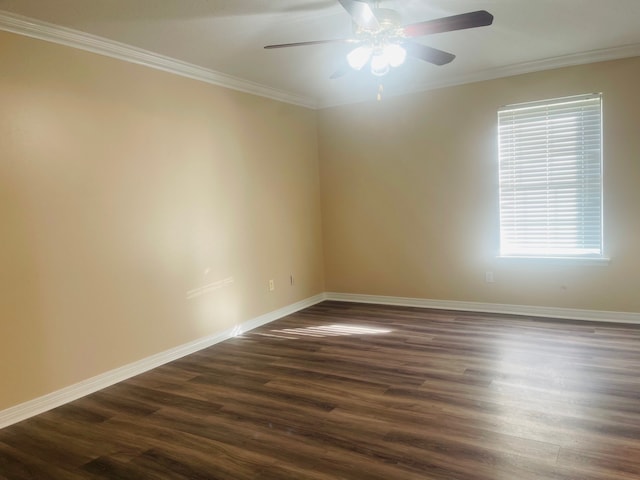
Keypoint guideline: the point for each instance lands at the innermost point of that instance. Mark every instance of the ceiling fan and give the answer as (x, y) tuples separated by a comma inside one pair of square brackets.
[(382, 42)]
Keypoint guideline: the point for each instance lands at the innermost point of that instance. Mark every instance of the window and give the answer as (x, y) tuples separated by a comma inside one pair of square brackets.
[(551, 178)]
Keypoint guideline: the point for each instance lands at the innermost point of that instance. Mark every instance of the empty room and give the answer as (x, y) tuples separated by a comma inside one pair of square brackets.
[(319, 239)]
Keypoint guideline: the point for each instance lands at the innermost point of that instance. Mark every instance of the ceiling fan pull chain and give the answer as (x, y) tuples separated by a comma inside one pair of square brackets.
[(380, 91)]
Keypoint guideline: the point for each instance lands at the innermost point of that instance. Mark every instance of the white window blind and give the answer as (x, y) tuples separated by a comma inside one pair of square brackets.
[(551, 178)]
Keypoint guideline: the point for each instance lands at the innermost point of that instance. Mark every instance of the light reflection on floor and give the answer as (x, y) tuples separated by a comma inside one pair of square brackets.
[(537, 392), (320, 331)]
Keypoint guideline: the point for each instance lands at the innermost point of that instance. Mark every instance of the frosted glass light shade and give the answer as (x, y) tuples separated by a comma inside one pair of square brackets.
[(396, 55), (379, 64), (358, 57)]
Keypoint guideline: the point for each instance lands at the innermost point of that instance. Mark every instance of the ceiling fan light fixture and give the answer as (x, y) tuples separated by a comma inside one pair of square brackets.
[(396, 54), (358, 57), (379, 64), (383, 42)]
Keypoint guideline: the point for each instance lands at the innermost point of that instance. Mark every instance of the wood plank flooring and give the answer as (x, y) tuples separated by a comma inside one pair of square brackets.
[(352, 391)]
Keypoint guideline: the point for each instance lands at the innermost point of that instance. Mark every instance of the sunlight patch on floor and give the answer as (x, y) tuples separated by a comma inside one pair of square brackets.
[(320, 331)]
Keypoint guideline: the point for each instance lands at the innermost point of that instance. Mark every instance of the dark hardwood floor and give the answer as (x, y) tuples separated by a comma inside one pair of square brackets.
[(350, 391)]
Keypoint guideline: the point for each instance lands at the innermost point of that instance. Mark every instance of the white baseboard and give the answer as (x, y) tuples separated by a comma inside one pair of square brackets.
[(528, 310), (73, 392), (55, 399)]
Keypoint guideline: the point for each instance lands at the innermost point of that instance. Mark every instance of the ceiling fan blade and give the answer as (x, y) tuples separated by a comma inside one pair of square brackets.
[(428, 54), (312, 42), (480, 18), (362, 13), (342, 70)]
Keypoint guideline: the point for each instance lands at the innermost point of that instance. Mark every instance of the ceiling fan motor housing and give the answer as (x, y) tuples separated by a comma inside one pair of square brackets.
[(389, 22)]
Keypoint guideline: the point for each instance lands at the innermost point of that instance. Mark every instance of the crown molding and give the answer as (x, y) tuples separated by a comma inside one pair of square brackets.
[(594, 56), (73, 38), (91, 43), (552, 63)]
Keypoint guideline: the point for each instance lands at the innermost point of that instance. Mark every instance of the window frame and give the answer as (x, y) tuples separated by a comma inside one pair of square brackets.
[(541, 254)]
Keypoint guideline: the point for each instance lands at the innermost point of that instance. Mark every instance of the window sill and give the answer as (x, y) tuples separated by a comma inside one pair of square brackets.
[(601, 261)]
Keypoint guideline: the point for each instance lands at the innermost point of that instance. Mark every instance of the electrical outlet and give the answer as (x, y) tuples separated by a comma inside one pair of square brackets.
[(272, 285), (488, 277)]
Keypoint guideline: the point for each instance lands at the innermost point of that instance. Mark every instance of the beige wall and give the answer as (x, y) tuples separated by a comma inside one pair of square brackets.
[(409, 195), (121, 189)]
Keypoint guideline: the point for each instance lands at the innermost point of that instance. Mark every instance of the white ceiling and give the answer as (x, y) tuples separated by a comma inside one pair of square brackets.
[(227, 36)]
